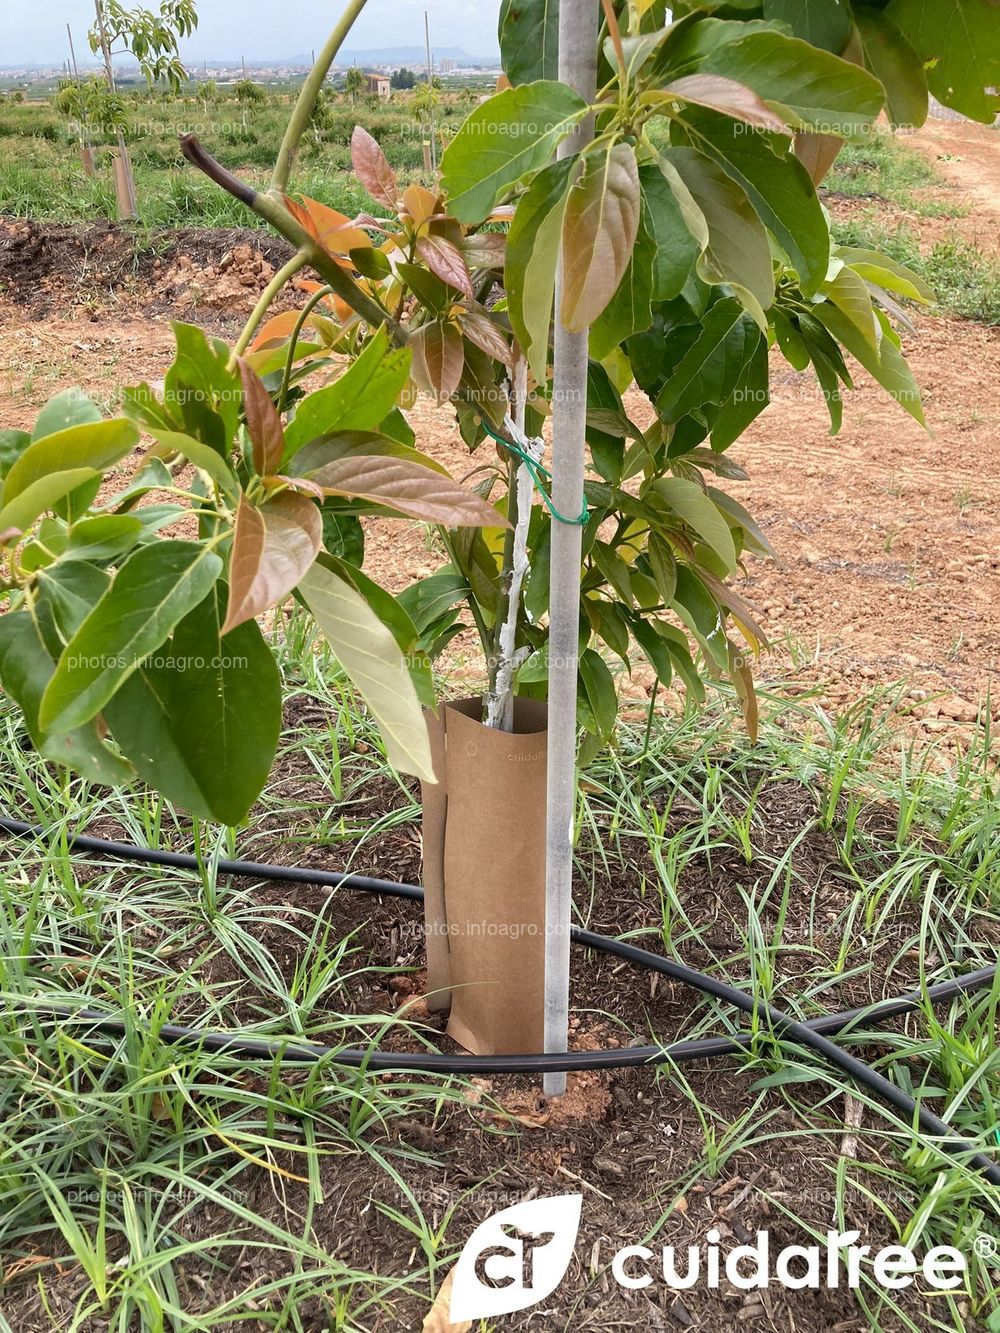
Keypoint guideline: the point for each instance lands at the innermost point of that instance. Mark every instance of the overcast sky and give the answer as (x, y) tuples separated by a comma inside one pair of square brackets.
[(34, 31)]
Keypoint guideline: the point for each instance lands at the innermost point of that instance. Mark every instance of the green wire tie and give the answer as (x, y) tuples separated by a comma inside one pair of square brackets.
[(537, 474)]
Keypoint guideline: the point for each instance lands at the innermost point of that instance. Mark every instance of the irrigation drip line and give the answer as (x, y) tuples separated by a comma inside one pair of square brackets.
[(813, 1034)]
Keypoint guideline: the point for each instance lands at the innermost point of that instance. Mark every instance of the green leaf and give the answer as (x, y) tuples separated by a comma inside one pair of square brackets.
[(26, 667), (343, 535), (887, 366), (663, 563), (363, 396), (426, 600), (94, 445), (532, 257), (72, 407), (702, 615), (958, 43), (201, 720), (849, 293), (12, 445), (825, 23), (893, 61), (371, 657), (203, 456), (738, 251), (655, 649), (600, 693), (153, 590), (748, 400), (689, 502), (709, 370), (778, 186), (68, 592), (393, 614), (529, 39), (104, 537), (201, 395), (810, 88), (615, 570), (502, 141), (885, 272), (599, 231), (670, 220), (41, 495)]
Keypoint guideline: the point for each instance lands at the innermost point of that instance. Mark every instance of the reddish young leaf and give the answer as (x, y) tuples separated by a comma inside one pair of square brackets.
[(407, 487), (438, 357), (480, 329), (725, 95), (332, 230), (267, 435), (295, 484), (421, 204), (599, 231), (273, 548), (372, 169), (443, 259)]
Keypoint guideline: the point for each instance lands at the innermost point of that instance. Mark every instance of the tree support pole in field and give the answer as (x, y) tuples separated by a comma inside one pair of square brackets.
[(577, 68)]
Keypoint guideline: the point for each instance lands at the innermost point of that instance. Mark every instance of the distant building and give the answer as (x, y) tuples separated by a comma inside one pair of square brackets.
[(379, 85), (446, 65)]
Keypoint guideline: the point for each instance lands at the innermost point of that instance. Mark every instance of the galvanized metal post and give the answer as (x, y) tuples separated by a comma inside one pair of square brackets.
[(578, 26)]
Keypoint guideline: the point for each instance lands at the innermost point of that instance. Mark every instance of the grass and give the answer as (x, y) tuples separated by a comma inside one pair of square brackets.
[(887, 169), (125, 1168), (41, 177), (965, 280)]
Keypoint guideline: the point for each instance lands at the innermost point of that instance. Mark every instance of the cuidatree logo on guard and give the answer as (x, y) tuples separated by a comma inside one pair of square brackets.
[(515, 1258)]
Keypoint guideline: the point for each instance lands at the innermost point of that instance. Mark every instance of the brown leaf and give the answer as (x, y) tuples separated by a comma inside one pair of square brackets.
[(817, 153), (438, 1317), (438, 357), (372, 168), (295, 484), (273, 547), (267, 435), (726, 95), (599, 231), (407, 487), (443, 259), (480, 329), (332, 230), (485, 249)]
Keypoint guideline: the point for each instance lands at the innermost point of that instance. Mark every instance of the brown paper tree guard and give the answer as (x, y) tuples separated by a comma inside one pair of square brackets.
[(484, 876)]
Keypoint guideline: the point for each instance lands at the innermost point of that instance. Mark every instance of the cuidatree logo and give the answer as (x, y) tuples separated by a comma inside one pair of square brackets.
[(515, 1258)]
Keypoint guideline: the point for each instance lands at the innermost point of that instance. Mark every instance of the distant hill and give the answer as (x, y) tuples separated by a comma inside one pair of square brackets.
[(413, 55)]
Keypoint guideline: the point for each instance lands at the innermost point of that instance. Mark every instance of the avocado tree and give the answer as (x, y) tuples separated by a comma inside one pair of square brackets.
[(152, 37), (665, 223)]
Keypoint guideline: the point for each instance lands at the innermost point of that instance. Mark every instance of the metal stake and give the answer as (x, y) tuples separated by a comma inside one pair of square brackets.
[(578, 68)]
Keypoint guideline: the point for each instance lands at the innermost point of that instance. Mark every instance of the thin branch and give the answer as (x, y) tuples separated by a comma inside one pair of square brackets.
[(273, 210), (309, 96)]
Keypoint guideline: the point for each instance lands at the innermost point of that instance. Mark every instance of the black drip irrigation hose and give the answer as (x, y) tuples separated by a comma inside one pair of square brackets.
[(813, 1034)]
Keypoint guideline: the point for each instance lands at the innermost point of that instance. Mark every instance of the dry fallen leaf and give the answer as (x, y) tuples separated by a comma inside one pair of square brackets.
[(437, 1320)]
